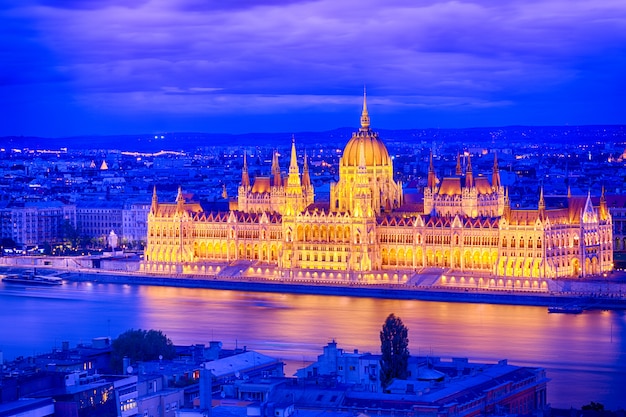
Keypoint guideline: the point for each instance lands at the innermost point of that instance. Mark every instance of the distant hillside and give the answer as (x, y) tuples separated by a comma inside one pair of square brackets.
[(482, 136)]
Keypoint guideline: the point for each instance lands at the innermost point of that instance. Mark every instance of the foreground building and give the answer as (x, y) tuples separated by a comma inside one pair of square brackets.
[(365, 233), (434, 387)]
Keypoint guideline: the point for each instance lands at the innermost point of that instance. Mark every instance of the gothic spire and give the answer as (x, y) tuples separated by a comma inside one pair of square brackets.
[(276, 170), (507, 203), (155, 201), (365, 118), (604, 211), (458, 171), (293, 163), (245, 178), (432, 180), (180, 200), (294, 171), (495, 176), (469, 175), (306, 179)]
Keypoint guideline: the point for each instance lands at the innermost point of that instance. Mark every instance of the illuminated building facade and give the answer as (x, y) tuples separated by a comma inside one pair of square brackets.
[(364, 233)]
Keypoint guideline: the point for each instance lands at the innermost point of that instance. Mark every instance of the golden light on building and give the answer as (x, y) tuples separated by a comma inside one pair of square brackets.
[(366, 234)]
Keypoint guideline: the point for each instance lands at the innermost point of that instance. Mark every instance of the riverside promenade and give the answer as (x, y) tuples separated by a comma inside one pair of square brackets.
[(591, 294)]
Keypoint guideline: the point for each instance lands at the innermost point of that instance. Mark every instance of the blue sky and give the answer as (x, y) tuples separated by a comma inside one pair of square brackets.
[(72, 67)]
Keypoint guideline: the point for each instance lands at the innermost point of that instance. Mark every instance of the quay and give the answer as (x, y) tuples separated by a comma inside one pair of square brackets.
[(602, 294)]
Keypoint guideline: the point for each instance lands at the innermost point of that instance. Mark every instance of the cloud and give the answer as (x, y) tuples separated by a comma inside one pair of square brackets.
[(277, 55)]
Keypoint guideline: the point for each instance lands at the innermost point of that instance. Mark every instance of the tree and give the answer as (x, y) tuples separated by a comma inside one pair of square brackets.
[(70, 233), (394, 346), (594, 406), (140, 345)]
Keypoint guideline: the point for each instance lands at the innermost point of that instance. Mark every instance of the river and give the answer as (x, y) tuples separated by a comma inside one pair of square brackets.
[(585, 355)]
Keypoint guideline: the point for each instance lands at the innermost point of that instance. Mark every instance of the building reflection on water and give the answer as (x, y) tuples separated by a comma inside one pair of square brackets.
[(585, 355)]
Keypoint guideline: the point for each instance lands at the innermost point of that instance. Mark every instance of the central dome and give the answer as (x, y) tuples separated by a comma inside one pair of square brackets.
[(376, 153)]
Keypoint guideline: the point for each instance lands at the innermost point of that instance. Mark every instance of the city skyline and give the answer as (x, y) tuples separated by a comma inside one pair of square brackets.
[(114, 67)]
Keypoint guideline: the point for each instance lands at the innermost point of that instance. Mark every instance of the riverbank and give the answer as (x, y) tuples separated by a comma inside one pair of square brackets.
[(590, 295), (389, 291)]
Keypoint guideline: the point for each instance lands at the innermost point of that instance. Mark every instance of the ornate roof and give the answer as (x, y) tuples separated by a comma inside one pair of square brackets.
[(376, 153)]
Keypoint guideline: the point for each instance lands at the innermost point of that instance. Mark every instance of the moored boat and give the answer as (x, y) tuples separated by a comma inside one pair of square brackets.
[(31, 278), (567, 309)]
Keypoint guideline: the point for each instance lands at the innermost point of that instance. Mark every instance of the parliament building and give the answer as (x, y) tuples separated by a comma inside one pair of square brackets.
[(467, 234)]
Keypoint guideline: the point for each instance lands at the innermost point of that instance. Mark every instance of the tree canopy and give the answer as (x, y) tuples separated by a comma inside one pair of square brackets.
[(140, 345), (394, 346)]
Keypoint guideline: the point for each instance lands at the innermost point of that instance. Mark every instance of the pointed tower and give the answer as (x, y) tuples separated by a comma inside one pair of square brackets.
[(245, 178), (507, 204), (589, 214), (306, 178), (180, 201), (495, 176), (604, 210), (276, 171), (294, 172), (469, 194), (154, 207), (295, 196), (431, 184), (541, 205), (432, 180), (458, 170), (469, 175)]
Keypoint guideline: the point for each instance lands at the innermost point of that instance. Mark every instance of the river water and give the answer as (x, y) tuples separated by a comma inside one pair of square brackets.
[(585, 355)]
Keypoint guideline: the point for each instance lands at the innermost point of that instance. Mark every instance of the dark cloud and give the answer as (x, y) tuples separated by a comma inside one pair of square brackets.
[(209, 5), (172, 57), (89, 4)]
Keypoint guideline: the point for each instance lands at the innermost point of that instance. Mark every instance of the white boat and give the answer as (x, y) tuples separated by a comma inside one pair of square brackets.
[(31, 278), (566, 309)]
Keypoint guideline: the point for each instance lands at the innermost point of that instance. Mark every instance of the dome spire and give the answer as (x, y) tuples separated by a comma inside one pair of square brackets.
[(365, 118)]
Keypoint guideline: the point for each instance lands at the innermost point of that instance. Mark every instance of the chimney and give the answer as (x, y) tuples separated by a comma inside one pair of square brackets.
[(125, 365)]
